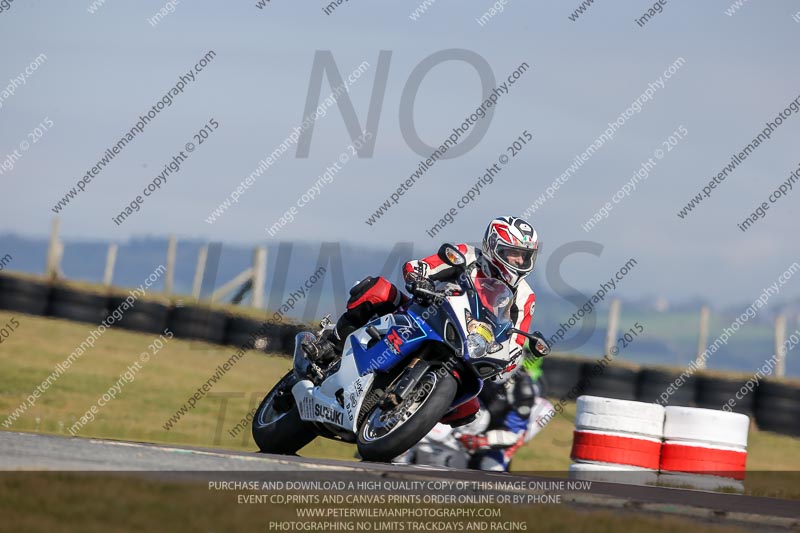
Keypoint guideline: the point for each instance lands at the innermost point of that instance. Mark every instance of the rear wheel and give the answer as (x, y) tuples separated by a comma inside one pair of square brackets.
[(277, 426), (389, 431)]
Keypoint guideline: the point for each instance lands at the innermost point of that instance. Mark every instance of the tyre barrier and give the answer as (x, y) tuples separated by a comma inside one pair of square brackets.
[(630, 475), (148, 316), (616, 449), (657, 385), (144, 316), (250, 333), (609, 381), (777, 407), (714, 392), (704, 448), (24, 296), (198, 323), (632, 418), (563, 374), (643, 443), (616, 440), (80, 306)]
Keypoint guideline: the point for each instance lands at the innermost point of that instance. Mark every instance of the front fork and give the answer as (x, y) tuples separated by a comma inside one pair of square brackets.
[(406, 382)]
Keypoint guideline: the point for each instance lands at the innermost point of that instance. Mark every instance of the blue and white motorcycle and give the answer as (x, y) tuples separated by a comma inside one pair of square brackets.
[(400, 374)]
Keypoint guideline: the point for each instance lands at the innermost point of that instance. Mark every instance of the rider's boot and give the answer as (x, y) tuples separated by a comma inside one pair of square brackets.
[(369, 297), (322, 351)]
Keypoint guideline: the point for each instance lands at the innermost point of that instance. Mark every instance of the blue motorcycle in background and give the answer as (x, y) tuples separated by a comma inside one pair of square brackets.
[(400, 374)]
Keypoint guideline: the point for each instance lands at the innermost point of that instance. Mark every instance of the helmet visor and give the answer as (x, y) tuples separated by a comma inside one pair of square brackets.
[(516, 257)]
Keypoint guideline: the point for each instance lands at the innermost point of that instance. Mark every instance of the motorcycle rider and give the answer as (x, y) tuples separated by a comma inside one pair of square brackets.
[(508, 253), (512, 403), (510, 415)]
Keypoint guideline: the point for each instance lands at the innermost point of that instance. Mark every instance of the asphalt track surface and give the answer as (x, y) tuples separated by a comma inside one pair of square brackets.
[(29, 451)]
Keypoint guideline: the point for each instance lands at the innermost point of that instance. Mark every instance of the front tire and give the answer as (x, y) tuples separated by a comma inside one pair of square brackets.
[(277, 426), (387, 433)]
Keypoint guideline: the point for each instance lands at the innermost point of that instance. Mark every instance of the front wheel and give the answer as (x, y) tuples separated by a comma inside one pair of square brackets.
[(386, 433), (277, 426)]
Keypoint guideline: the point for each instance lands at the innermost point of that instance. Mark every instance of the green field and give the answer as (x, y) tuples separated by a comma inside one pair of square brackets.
[(170, 377)]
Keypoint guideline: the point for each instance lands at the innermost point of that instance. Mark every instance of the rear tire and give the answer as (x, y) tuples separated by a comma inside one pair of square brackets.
[(281, 430), (378, 440)]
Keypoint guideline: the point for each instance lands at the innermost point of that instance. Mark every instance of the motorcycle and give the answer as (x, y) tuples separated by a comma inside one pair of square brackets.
[(440, 448), (398, 375)]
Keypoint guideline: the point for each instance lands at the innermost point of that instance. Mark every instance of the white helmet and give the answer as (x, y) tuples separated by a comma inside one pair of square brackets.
[(511, 245)]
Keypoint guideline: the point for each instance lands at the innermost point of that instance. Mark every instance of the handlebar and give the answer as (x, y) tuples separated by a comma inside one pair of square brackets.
[(435, 295), (416, 291)]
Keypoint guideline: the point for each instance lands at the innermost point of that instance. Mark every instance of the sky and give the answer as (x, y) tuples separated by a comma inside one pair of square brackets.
[(103, 70)]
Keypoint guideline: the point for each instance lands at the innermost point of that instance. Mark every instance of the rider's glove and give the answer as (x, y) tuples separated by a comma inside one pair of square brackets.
[(474, 443), (420, 283)]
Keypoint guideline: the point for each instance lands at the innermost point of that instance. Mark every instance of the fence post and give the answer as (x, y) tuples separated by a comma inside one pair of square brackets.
[(780, 349), (170, 276), (202, 258), (54, 251), (259, 277), (702, 339), (613, 325), (111, 260)]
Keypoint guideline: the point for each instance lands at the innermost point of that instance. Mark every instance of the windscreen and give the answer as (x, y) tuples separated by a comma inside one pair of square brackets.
[(496, 297)]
